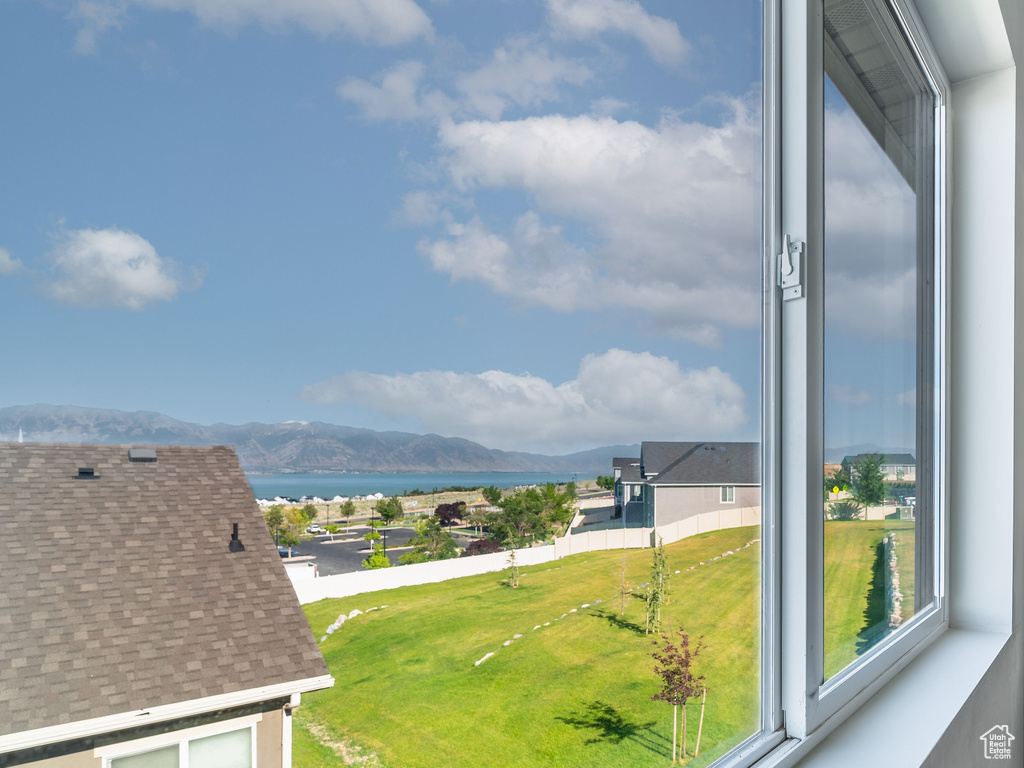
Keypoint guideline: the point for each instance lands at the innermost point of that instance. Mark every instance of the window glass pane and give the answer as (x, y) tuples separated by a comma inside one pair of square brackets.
[(224, 750), (879, 256), (165, 757)]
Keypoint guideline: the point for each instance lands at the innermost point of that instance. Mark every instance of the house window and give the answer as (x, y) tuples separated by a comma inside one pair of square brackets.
[(728, 494), (229, 744)]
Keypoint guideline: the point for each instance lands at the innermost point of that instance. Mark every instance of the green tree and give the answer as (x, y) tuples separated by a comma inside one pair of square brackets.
[(309, 512), (377, 558), (274, 516), (347, 509), (513, 570), (371, 535), (530, 514), (431, 542), (605, 481), (656, 594), (293, 526), (840, 479), (477, 517), (491, 494), (679, 684), (390, 509), (520, 518), (868, 486), (559, 507)]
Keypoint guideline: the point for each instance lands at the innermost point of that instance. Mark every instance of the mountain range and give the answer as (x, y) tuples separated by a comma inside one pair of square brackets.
[(294, 446)]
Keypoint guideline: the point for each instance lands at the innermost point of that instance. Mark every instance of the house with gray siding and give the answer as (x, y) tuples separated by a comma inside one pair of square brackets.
[(145, 613), (673, 481)]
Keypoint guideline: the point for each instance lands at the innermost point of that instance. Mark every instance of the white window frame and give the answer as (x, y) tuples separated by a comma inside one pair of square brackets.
[(182, 738), (728, 494), (977, 40), (796, 697), (797, 705)]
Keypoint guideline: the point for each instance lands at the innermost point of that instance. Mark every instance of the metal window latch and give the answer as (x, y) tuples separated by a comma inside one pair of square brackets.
[(791, 269)]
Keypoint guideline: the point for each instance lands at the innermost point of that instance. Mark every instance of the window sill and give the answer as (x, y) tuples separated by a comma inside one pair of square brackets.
[(901, 723)]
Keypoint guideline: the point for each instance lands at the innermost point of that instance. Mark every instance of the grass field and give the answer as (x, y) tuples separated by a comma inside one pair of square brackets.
[(576, 691), (854, 587)]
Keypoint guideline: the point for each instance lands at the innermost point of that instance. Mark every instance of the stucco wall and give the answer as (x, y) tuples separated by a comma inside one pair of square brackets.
[(268, 739), (77, 760), (269, 751)]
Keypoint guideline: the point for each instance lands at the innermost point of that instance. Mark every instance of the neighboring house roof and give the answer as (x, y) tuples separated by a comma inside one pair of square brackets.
[(684, 463), (120, 593), (884, 458), (629, 469)]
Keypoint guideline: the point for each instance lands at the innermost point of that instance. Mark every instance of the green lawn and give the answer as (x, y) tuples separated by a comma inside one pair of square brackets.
[(854, 588), (574, 693), (577, 691)]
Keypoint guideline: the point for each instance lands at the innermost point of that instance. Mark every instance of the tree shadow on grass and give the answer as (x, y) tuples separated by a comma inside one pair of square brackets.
[(874, 614), (618, 621), (610, 726)]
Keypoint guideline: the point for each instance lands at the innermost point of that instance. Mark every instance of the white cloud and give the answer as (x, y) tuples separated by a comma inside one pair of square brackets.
[(542, 266), (422, 207), (842, 393), (675, 211), (110, 267), (870, 235), (607, 106), (395, 98), (584, 19), (616, 397), (384, 22), (520, 73), (8, 264), (907, 398), (95, 17), (871, 304)]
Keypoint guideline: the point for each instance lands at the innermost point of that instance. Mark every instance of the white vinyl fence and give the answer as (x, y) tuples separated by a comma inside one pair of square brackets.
[(348, 584)]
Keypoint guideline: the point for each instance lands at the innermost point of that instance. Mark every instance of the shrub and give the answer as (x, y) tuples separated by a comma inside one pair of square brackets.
[(845, 510), (481, 547)]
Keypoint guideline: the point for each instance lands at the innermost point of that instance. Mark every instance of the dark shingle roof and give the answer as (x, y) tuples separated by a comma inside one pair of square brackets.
[(119, 593), (629, 469), (701, 463)]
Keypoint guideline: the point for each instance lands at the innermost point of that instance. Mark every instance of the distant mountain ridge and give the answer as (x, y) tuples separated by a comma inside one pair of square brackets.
[(294, 446)]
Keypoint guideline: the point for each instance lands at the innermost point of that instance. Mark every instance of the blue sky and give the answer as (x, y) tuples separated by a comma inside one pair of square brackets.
[(531, 224)]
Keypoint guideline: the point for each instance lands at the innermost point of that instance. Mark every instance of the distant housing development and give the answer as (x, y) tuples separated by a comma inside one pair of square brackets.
[(145, 612), (896, 467), (673, 481)]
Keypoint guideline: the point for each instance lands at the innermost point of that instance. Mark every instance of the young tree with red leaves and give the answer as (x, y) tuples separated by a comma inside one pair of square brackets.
[(678, 682), (449, 513)]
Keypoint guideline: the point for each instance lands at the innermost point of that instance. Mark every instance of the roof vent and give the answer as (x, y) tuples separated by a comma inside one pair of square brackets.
[(142, 456), (87, 473), (236, 544)]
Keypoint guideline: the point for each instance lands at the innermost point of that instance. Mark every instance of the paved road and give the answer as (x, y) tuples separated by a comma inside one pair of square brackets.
[(338, 556)]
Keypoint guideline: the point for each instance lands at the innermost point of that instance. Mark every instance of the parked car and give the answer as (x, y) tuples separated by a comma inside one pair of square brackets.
[(314, 528), (285, 552)]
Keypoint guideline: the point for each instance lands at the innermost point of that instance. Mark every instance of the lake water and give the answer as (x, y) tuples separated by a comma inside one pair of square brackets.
[(328, 486)]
